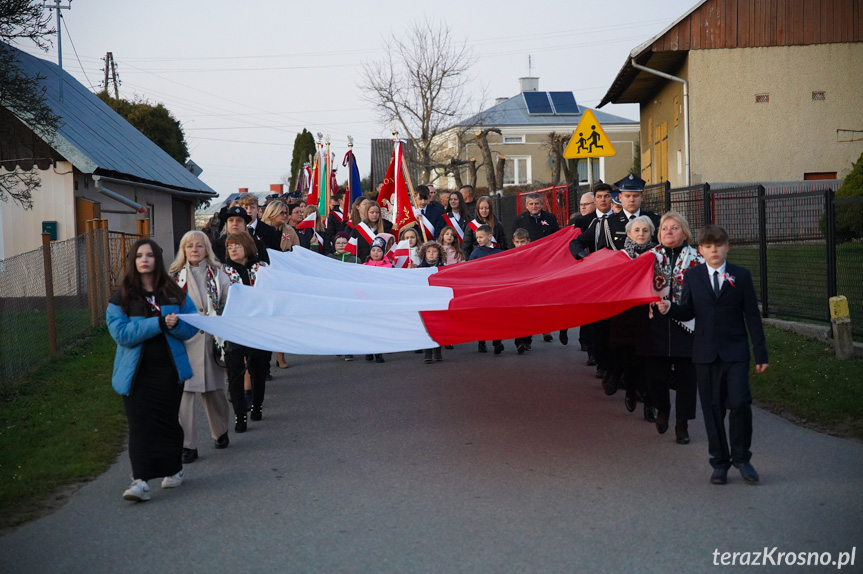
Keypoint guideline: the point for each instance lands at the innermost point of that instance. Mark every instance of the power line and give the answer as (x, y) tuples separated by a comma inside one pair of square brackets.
[(76, 52)]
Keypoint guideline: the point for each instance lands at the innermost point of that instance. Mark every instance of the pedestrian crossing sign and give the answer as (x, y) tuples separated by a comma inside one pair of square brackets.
[(588, 140)]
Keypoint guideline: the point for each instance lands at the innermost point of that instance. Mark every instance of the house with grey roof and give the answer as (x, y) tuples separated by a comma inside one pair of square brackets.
[(525, 122), (97, 165)]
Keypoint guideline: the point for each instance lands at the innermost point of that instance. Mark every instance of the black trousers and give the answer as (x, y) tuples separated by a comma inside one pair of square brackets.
[(585, 337), (659, 375), (602, 344), (630, 367), (725, 387), (236, 359)]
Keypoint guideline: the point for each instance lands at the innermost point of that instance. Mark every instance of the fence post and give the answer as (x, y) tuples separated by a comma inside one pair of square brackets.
[(830, 238), (667, 196), (50, 304), (762, 248), (105, 270), (708, 205), (92, 297)]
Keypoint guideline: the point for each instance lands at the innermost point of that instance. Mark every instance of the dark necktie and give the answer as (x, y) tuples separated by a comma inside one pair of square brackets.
[(600, 231), (716, 283), (631, 217)]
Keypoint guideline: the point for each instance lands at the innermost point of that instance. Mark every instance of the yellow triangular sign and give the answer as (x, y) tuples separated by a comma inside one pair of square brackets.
[(588, 140)]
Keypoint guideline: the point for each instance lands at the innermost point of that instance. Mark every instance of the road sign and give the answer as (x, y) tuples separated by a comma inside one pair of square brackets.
[(588, 140)]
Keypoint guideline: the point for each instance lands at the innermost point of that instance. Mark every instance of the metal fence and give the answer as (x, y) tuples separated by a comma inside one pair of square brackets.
[(39, 317), (784, 233)]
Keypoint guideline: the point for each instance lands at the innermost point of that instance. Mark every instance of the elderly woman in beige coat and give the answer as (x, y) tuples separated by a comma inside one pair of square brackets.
[(196, 270)]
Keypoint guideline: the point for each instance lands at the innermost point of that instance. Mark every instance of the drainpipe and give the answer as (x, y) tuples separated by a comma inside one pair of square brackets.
[(638, 66), (117, 197)]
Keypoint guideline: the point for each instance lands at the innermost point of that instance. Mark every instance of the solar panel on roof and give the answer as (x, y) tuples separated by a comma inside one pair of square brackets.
[(564, 103), (537, 103)]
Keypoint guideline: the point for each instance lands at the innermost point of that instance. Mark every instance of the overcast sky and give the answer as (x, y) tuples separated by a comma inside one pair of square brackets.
[(244, 77)]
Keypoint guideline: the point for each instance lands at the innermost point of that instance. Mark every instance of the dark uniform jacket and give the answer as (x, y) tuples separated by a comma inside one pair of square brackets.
[(591, 241)]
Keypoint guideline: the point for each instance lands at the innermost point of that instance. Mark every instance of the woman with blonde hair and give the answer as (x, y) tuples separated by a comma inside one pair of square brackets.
[(667, 348), (276, 214), (196, 271)]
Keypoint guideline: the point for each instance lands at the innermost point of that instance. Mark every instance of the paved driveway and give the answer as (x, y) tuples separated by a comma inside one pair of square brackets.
[(481, 463)]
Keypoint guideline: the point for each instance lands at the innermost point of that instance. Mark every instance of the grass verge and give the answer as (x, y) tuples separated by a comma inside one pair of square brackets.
[(60, 425), (807, 385)]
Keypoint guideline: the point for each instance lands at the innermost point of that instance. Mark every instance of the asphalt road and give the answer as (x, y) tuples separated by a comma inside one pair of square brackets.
[(480, 463)]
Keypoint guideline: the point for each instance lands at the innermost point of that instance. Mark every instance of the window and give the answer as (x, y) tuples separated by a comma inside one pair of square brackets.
[(762, 98), (516, 170), (819, 96), (513, 139)]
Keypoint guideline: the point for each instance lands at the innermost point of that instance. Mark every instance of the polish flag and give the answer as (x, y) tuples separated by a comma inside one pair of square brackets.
[(351, 247), (475, 225), (400, 254), (492, 298), (452, 223), (365, 231), (308, 222)]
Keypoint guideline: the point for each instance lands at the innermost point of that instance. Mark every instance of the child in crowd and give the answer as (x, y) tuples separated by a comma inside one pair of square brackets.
[(414, 240), (484, 247), (448, 239), (376, 254), (721, 298), (341, 242), (432, 255), (520, 238)]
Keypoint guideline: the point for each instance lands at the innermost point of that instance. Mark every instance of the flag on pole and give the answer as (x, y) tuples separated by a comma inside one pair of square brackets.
[(351, 247), (400, 254), (393, 198), (315, 188), (354, 188), (308, 222)]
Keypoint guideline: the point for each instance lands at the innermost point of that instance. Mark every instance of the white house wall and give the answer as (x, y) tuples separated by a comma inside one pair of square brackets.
[(736, 139), (53, 201)]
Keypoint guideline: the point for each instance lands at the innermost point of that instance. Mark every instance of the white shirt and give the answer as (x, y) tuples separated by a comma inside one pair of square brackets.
[(600, 215), (711, 271), (630, 215)]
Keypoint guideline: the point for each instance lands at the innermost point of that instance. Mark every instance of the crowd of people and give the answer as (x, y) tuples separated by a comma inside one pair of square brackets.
[(162, 363)]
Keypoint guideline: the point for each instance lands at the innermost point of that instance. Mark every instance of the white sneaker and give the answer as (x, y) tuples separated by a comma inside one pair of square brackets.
[(139, 491), (173, 481)]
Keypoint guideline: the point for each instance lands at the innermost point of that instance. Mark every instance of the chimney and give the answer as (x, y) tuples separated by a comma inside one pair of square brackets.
[(277, 188), (498, 101), (244, 190), (529, 84)]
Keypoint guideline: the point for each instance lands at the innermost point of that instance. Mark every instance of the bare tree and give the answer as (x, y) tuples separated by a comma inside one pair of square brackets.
[(481, 138), (420, 85), (23, 96)]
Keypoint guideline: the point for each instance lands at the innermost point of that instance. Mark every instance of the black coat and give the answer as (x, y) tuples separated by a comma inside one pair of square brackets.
[(469, 243), (333, 226), (583, 221), (363, 246), (721, 323), (434, 213), (543, 226), (268, 235)]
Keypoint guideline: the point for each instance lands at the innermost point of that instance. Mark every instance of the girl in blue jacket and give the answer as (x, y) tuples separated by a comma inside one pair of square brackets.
[(150, 366)]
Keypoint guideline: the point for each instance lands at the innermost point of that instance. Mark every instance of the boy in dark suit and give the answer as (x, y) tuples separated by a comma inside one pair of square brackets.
[(721, 298)]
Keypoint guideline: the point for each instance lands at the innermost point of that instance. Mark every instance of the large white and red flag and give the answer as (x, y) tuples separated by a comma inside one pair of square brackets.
[(494, 297), (394, 199)]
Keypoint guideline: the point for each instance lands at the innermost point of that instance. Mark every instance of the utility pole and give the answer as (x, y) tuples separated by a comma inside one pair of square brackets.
[(111, 72), (58, 7)]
